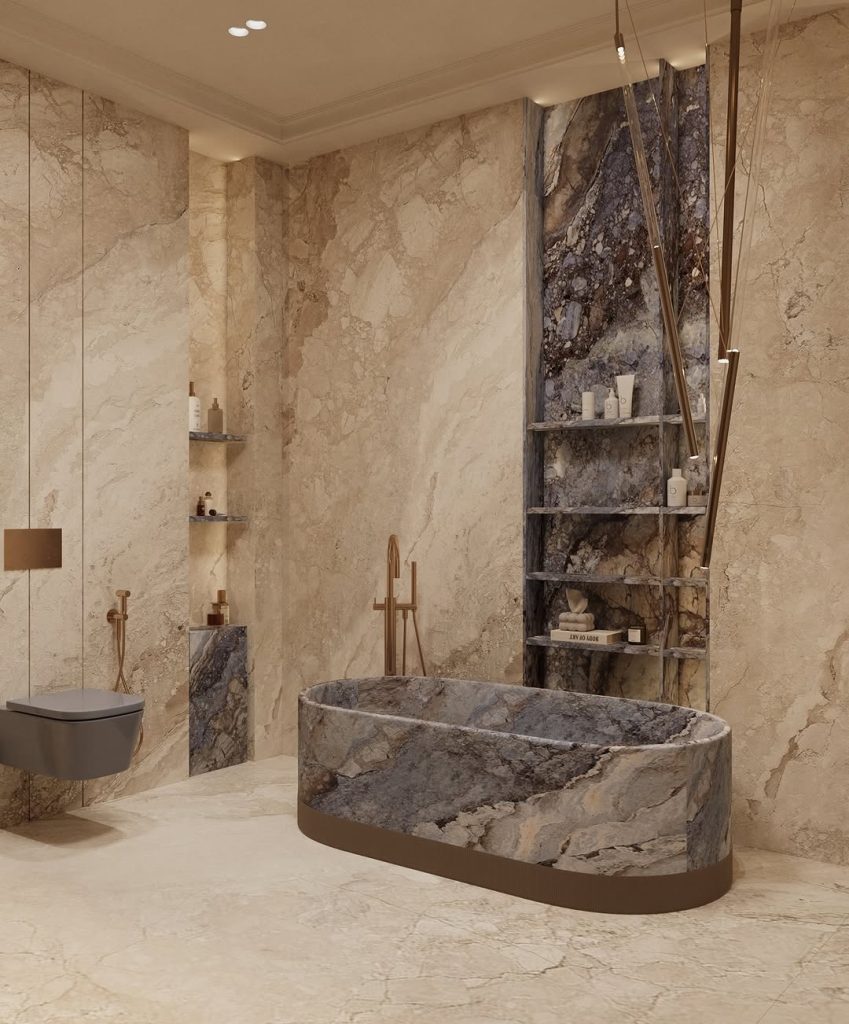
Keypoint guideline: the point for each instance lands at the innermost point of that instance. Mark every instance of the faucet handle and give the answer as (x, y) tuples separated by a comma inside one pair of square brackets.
[(123, 593)]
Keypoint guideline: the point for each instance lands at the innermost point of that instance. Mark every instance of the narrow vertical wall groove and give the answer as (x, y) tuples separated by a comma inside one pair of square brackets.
[(29, 401), (82, 408)]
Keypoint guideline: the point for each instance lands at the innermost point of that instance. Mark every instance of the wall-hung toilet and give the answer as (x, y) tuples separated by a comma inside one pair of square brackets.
[(71, 734)]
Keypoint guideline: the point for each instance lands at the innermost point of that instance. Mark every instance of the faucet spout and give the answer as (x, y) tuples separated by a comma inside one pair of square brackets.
[(390, 608)]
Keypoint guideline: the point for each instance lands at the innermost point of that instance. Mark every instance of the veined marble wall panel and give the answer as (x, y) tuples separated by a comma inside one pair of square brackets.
[(136, 326), (56, 398), (780, 633), (256, 226), (208, 369), (14, 439), (404, 395)]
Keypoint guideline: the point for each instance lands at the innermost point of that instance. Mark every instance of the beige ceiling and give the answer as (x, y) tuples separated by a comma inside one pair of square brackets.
[(328, 73)]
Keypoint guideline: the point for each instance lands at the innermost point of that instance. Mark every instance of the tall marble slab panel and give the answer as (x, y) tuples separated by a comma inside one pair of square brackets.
[(218, 698), (602, 318), (14, 390), (208, 369), (404, 387), (257, 204), (135, 501), (780, 644), (56, 399)]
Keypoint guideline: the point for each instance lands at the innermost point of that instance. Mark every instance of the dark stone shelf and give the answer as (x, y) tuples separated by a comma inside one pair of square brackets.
[(218, 519), (602, 424), (618, 510), (628, 581), (677, 653), (203, 435)]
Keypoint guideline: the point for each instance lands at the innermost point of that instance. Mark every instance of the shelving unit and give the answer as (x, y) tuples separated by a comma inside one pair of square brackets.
[(594, 489)]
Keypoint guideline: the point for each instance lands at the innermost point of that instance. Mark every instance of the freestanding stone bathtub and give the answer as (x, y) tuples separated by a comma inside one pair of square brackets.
[(595, 803)]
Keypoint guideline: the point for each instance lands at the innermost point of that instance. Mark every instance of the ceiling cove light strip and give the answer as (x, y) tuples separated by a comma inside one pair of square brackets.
[(667, 306)]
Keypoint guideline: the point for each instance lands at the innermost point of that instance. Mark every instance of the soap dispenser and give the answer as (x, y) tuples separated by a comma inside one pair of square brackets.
[(215, 418), (676, 490), (611, 406)]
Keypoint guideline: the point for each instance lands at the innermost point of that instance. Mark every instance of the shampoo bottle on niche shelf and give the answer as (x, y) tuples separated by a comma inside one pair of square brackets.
[(676, 490), (194, 408)]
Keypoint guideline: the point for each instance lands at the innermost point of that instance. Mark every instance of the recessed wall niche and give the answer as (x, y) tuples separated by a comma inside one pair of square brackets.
[(597, 518)]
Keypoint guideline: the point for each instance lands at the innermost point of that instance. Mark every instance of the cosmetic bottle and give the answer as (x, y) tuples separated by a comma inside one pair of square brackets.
[(611, 406), (588, 405), (194, 408), (676, 490), (215, 418), (223, 607), (201, 508), (625, 385)]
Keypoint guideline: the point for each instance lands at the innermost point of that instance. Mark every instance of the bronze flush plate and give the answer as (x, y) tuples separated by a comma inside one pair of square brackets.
[(32, 549)]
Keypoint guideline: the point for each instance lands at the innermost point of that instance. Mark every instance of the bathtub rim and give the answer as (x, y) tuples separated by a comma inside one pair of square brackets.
[(687, 744), (573, 890)]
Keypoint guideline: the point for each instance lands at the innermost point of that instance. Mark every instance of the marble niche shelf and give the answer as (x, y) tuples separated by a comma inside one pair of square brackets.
[(203, 435), (618, 510), (679, 653), (218, 519), (629, 581), (551, 426)]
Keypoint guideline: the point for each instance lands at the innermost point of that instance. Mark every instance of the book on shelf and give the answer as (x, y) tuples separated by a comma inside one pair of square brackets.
[(590, 636)]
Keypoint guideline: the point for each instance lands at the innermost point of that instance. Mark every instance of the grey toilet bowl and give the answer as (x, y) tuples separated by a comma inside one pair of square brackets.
[(71, 734)]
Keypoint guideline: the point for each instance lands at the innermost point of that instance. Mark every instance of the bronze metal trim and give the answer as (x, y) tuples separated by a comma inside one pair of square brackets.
[(721, 450), (730, 181), (606, 894), (32, 549)]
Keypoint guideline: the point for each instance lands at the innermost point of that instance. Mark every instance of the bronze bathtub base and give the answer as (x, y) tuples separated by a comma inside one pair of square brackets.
[(607, 894)]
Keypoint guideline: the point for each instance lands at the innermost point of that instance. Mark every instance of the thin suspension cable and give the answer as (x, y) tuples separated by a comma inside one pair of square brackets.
[(665, 137)]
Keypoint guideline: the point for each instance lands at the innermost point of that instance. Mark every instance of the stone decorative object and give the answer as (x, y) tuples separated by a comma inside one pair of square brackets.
[(218, 709), (571, 620), (577, 783)]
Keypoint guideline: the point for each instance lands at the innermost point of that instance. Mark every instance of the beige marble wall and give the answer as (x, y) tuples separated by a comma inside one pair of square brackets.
[(14, 418), (780, 574), (208, 369), (94, 301), (55, 392), (403, 396), (257, 552)]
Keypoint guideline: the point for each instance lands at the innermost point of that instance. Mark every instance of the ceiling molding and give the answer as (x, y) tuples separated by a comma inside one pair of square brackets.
[(217, 119)]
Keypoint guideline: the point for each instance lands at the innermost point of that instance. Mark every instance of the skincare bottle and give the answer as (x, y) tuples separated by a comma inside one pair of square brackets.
[(611, 406), (201, 508), (625, 385), (223, 607), (215, 418), (194, 408), (207, 505), (588, 405), (676, 490)]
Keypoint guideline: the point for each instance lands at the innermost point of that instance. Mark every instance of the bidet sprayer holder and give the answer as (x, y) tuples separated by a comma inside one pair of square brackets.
[(119, 614)]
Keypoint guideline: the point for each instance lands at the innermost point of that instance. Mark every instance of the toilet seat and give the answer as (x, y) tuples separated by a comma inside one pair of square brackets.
[(78, 705)]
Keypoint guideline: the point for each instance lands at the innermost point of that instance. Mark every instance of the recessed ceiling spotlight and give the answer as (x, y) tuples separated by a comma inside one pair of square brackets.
[(256, 24), (237, 30)]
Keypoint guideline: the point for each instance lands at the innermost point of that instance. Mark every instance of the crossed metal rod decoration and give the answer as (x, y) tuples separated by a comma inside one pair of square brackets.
[(727, 354)]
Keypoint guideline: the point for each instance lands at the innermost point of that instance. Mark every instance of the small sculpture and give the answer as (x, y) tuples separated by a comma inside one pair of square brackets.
[(577, 618)]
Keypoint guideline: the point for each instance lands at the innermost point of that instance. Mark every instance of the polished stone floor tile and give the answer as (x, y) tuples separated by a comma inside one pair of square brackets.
[(201, 903)]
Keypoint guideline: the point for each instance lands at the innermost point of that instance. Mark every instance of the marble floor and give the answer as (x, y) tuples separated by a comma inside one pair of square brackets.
[(201, 903)]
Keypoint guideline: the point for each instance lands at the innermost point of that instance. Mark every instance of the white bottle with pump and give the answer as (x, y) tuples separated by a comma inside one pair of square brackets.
[(611, 406), (676, 490), (194, 408)]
